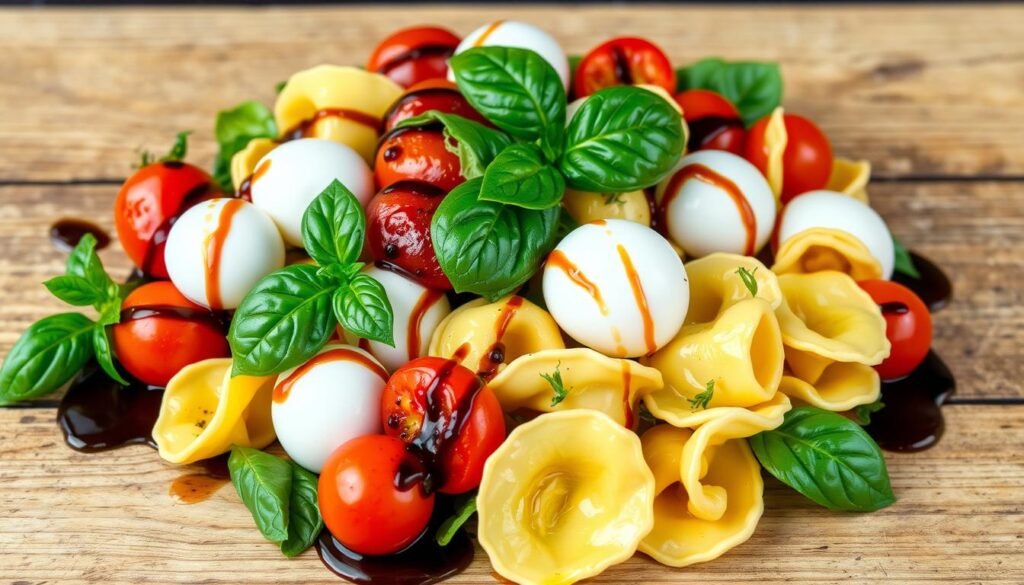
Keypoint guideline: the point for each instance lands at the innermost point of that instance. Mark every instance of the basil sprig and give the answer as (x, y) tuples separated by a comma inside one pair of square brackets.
[(828, 458), (519, 176), (289, 315), (754, 88), (234, 129)]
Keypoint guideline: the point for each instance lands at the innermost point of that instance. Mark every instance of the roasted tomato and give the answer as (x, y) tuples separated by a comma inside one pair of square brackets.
[(371, 497), (398, 231), (624, 61), (433, 94), (713, 121), (444, 411), (807, 160), (417, 154), (161, 332), (908, 325), (413, 54)]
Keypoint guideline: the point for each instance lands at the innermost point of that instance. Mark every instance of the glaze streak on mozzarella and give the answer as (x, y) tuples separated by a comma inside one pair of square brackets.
[(282, 389)]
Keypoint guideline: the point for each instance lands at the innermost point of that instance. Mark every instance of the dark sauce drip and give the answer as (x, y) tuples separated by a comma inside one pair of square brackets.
[(621, 64), (305, 128), (492, 360), (893, 308), (396, 132), (912, 417), (155, 250), (98, 414), (198, 486), (416, 187), (432, 50), (217, 319), (934, 287), (392, 267), (704, 130), (66, 233), (392, 153)]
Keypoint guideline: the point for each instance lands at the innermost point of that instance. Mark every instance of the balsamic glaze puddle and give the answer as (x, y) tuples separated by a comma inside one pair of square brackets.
[(98, 414), (703, 130), (66, 233), (912, 417), (933, 287)]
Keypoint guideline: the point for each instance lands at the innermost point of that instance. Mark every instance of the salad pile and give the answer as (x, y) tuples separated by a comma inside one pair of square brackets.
[(586, 301)]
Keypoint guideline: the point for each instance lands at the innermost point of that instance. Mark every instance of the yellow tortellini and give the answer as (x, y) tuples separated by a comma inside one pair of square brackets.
[(243, 164), (564, 497), (775, 140), (850, 177), (205, 411), (586, 207), (716, 285), (592, 380), (821, 249), (344, 104)]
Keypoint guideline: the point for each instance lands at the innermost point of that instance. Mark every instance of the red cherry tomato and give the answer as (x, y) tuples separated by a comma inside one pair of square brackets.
[(417, 154), (432, 94), (429, 397), (398, 231), (713, 121), (366, 498), (413, 54), (908, 325), (176, 333), (624, 61), (704, 103), (807, 160), (149, 202)]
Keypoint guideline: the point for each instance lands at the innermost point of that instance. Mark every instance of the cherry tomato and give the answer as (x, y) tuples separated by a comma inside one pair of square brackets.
[(807, 160), (624, 61), (417, 154), (432, 94), (713, 121), (176, 333), (428, 398), (908, 325), (149, 202), (413, 54), (367, 499), (398, 231), (704, 103)]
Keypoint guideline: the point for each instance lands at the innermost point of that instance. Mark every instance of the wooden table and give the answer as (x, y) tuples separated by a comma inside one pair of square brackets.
[(934, 97)]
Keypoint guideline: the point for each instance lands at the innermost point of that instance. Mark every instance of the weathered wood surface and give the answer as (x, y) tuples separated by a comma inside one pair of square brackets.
[(918, 91)]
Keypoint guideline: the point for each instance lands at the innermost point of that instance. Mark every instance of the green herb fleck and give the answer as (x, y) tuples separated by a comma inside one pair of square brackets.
[(557, 385), (702, 400), (747, 276), (904, 263), (465, 507), (614, 199), (175, 154)]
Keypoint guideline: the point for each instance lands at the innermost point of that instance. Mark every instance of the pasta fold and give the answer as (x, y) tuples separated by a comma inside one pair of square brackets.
[(716, 285), (850, 177), (243, 164), (586, 207), (821, 249)]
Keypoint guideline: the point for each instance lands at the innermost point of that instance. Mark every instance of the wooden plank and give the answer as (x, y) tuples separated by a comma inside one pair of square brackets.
[(109, 518), (917, 90), (975, 230)]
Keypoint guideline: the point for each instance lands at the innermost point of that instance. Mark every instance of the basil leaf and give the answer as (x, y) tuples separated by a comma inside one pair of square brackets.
[(519, 176), (363, 309), (862, 413), (754, 88), (104, 353), (574, 65), (74, 290), (566, 223), (304, 520), (49, 353), (264, 483), (283, 321), (464, 510), (487, 248), (828, 458), (622, 138), (83, 262), (904, 261), (334, 226), (476, 145), (234, 129), (517, 90)]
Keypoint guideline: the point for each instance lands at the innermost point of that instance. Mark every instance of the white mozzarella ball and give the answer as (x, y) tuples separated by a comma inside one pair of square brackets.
[(418, 311), (512, 33), (617, 287), (832, 210), (715, 201), (219, 249), (290, 177), (326, 402)]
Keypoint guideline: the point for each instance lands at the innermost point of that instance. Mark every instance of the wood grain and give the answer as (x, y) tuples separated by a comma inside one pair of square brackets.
[(917, 91)]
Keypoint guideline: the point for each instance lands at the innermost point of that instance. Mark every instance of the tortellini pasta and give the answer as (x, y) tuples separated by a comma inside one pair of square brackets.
[(775, 140), (243, 164), (205, 411), (592, 381), (820, 249), (586, 207), (850, 177), (716, 285), (564, 497)]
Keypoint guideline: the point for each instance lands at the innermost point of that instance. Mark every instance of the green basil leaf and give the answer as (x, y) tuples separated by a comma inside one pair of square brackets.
[(574, 64), (264, 483), (465, 507), (234, 129), (49, 353), (83, 262), (828, 458), (283, 321), (334, 226), (104, 353), (487, 248), (74, 290), (476, 145), (363, 309), (304, 520), (519, 176), (754, 88), (517, 90), (566, 223), (622, 138), (904, 262), (862, 413)]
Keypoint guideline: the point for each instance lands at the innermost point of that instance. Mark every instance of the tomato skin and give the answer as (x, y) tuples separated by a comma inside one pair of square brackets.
[(398, 231), (807, 160), (360, 502), (432, 94), (149, 198), (414, 54), (704, 103), (624, 61), (417, 154), (909, 331), (153, 349), (405, 402)]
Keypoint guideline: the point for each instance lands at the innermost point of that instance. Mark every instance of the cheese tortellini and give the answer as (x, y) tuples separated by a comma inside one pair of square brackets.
[(850, 177), (243, 163), (821, 249), (586, 207), (716, 285)]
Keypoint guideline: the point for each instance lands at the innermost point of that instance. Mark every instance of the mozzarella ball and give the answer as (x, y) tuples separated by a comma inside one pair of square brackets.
[(327, 401), (418, 310), (716, 201), (617, 287), (832, 210), (290, 177), (219, 249), (512, 33)]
